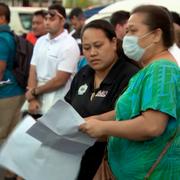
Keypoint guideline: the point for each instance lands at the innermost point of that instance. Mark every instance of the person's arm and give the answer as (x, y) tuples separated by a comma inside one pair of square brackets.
[(146, 126), (32, 83), (2, 69), (55, 83), (4, 54), (32, 80), (108, 116)]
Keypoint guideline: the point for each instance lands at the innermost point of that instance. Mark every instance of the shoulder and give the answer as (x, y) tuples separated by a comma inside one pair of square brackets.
[(77, 34), (84, 72), (126, 67), (7, 36), (7, 41), (69, 39), (42, 39), (158, 72), (41, 42), (162, 65), (131, 67)]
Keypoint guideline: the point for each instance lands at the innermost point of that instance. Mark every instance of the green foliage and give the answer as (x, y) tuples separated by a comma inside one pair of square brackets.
[(79, 3)]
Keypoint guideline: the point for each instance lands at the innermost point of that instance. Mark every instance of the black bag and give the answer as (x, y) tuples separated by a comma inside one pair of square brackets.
[(24, 50)]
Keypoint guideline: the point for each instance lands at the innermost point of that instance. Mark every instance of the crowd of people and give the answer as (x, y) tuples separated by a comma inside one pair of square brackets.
[(127, 88)]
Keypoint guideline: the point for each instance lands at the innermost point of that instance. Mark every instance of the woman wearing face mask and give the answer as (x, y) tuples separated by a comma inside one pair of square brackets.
[(148, 113), (96, 87)]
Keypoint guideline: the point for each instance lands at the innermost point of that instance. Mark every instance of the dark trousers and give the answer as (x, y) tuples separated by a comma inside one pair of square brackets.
[(91, 160)]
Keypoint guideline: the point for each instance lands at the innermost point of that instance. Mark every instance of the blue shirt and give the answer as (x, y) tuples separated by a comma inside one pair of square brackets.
[(7, 54)]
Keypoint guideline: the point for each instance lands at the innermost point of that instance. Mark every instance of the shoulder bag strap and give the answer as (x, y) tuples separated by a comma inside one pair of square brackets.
[(163, 152)]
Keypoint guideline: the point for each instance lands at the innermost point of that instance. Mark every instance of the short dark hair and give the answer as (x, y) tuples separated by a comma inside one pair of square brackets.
[(77, 12), (40, 13), (5, 11), (58, 8), (103, 25), (119, 17), (158, 17)]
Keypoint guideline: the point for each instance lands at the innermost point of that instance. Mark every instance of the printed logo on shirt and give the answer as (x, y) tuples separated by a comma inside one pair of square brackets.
[(82, 89), (101, 93)]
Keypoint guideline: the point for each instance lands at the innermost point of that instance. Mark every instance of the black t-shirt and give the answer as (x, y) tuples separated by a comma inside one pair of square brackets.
[(82, 88), (77, 35), (88, 101)]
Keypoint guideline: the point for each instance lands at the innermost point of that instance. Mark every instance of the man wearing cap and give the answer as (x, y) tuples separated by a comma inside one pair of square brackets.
[(53, 64)]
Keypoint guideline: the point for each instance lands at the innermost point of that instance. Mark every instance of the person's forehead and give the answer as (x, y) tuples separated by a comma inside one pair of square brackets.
[(52, 13), (38, 17), (136, 19), (94, 33)]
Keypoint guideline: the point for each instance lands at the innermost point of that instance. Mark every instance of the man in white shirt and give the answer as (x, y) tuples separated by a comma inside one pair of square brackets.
[(53, 64)]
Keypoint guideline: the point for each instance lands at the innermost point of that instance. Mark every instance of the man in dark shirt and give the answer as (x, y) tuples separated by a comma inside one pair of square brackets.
[(77, 19)]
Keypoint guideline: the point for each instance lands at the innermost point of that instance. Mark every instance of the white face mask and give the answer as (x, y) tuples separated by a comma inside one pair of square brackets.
[(131, 47)]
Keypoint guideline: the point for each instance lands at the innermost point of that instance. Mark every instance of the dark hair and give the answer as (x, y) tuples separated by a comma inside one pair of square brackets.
[(107, 28), (175, 17), (5, 11), (119, 17), (158, 17), (40, 13), (58, 8), (77, 12), (103, 25)]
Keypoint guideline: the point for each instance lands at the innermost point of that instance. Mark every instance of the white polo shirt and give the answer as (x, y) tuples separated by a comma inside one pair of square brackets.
[(50, 55)]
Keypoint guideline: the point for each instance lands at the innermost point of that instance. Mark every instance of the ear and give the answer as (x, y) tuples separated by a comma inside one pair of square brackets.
[(114, 42), (2, 19), (157, 35), (118, 27), (62, 20)]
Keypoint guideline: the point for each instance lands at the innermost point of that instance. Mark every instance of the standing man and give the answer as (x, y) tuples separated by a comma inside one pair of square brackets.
[(77, 20), (11, 94), (38, 26), (119, 21), (53, 63)]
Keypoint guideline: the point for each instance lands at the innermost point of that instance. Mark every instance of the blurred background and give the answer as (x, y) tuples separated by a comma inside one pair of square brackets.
[(66, 3)]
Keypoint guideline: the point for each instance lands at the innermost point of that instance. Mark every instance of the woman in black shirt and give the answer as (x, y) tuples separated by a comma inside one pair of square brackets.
[(96, 87)]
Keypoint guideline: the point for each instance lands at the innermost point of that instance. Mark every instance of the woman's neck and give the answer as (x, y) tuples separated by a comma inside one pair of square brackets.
[(162, 53)]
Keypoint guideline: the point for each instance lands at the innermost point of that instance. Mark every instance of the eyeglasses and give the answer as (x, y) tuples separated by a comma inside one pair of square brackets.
[(53, 13)]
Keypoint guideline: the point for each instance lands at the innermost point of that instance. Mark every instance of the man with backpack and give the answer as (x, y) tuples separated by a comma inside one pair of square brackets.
[(53, 64), (11, 94)]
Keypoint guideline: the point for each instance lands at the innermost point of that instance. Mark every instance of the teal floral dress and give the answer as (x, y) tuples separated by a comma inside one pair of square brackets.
[(157, 86)]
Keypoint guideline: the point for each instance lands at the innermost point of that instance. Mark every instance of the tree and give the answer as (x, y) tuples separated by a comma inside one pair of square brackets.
[(79, 3)]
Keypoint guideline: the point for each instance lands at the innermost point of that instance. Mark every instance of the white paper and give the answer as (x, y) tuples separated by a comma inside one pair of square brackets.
[(60, 120), (56, 152)]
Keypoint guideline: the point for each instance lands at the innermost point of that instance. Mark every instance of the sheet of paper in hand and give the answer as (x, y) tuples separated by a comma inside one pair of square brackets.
[(60, 125), (54, 149)]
